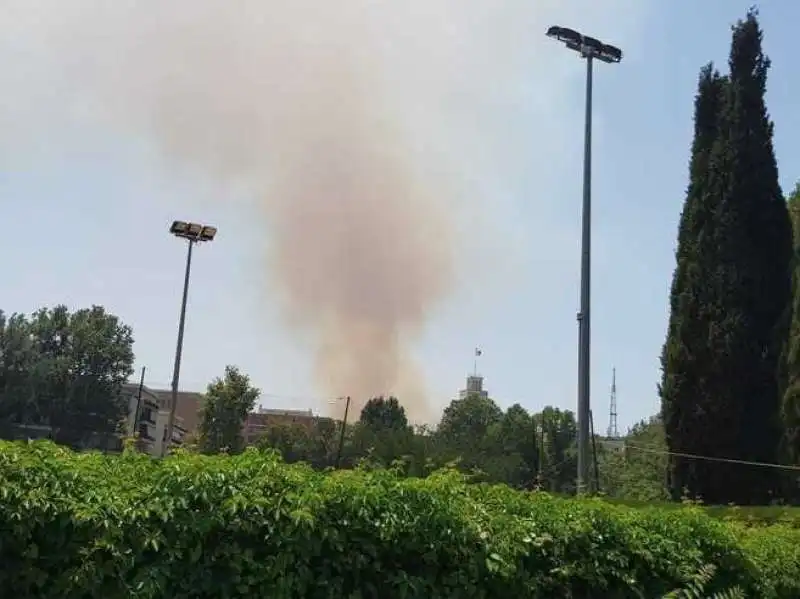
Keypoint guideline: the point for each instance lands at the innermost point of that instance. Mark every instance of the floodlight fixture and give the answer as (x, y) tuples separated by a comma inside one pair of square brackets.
[(193, 231), (208, 233), (588, 47), (178, 227)]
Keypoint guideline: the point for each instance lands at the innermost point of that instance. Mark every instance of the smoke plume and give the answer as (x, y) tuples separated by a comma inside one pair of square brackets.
[(356, 122)]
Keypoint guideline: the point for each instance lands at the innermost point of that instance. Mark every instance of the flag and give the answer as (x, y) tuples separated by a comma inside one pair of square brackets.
[(478, 352)]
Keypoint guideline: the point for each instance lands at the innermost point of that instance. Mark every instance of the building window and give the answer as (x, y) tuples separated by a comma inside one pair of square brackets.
[(147, 415), (144, 432)]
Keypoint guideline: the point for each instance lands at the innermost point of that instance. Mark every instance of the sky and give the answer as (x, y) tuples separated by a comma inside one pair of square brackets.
[(116, 119)]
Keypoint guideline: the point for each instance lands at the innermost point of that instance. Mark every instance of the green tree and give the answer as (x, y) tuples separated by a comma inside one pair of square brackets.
[(754, 240), (557, 437), (511, 453), (463, 433), (635, 467), (294, 442), (791, 399), (687, 357), (65, 371), (468, 420), (228, 400), (720, 390), (382, 435), (17, 363), (384, 414)]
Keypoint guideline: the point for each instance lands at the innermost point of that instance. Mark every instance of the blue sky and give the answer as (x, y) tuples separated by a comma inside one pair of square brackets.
[(87, 205)]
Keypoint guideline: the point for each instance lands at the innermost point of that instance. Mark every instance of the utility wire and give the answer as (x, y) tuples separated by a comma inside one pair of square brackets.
[(693, 456)]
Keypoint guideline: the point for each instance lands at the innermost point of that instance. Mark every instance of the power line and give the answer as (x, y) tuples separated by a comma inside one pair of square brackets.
[(707, 458)]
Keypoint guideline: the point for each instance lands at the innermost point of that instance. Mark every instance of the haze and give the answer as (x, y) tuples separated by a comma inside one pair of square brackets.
[(365, 129)]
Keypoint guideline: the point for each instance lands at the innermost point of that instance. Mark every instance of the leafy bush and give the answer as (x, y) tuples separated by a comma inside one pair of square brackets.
[(753, 515), (89, 525)]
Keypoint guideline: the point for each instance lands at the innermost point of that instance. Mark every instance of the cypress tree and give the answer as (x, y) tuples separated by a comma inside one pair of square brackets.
[(686, 356), (791, 398), (730, 296), (751, 283)]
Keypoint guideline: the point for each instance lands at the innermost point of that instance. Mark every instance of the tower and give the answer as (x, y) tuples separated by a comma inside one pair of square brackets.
[(474, 387), (474, 381), (612, 432)]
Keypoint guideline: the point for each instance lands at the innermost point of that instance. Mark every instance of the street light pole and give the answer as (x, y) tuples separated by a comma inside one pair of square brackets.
[(589, 48), (584, 316), (341, 433), (192, 233), (176, 369)]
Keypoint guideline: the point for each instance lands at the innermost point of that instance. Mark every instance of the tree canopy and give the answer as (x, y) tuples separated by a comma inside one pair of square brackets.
[(228, 401), (64, 370), (731, 290)]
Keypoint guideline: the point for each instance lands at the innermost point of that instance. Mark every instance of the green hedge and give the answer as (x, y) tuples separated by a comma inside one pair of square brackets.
[(753, 515), (93, 526)]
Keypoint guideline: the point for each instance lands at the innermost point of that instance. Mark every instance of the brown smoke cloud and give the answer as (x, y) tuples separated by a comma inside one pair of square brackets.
[(356, 122), (290, 97)]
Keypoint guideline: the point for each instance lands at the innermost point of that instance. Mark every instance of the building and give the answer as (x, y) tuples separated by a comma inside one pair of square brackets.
[(259, 422), (190, 407), (151, 425), (474, 387), (148, 419)]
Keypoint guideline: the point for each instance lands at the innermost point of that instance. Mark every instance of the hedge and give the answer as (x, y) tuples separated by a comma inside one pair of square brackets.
[(753, 515), (94, 526)]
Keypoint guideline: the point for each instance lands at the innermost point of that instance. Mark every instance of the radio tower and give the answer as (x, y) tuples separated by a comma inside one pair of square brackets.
[(612, 432)]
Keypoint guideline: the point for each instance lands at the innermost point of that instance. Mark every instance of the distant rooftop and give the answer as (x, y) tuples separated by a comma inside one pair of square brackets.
[(280, 412)]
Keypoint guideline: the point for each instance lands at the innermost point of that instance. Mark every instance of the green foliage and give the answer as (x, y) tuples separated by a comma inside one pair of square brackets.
[(384, 414), (635, 467), (316, 445), (466, 422), (730, 294), (63, 372), (790, 408), (520, 449), (744, 517), (696, 587), (227, 403), (557, 438), (89, 525)]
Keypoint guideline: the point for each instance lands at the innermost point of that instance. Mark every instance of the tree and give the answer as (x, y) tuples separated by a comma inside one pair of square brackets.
[(382, 434), (294, 442), (558, 434), (384, 414), (227, 403), (635, 467), (686, 355), (731, 289), (463, 433), (65, 371), (17, 362), (754, 240), (511, 453), (468, 420), (791, 398)]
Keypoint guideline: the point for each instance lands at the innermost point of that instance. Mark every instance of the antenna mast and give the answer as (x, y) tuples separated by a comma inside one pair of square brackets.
[(612, 432)]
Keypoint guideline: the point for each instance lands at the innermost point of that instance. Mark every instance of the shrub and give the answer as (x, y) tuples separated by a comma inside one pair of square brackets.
[(189, 526)]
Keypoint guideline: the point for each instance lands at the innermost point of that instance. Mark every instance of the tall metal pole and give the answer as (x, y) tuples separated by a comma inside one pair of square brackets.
[(584, 317), (341, 434), (176, 372), (138, 404), (594, 455)]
